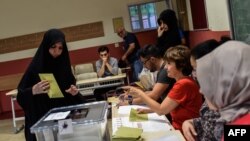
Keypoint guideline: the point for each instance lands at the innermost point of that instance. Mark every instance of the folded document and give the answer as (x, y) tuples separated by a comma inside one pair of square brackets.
[(127, 134), (54, 90), (134, 116)]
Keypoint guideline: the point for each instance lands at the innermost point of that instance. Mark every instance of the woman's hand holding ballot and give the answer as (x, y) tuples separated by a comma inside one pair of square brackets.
[(41, 87)]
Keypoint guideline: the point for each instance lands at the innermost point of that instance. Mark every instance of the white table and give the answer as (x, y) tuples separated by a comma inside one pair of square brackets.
[(13, 95), (87, 87), (157, 128)]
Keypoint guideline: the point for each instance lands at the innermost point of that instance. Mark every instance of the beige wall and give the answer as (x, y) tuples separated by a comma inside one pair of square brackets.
[(217, 15), (30, 16), (190, 21), (160, 6)]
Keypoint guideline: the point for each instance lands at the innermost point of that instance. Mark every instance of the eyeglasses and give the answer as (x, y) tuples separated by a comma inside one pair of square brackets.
[(105, 54), (144, 62)]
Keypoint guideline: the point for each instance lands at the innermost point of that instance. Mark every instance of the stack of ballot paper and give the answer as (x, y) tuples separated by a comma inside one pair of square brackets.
[(127, 134)]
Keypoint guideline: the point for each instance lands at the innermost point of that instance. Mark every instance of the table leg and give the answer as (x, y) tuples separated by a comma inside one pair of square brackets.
[(14, 118)]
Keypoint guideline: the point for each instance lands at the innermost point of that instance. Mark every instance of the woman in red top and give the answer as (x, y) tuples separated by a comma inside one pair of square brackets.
[(184, 100), (224, 79)]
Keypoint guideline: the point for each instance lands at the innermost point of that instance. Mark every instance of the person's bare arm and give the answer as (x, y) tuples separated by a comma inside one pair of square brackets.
[(162, 109), (110, 68), (101, 71), (154, 94)]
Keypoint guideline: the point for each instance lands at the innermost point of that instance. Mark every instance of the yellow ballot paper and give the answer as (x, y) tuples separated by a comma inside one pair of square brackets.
[(54, 91), (139, 84), (134, 116), (127, 134)]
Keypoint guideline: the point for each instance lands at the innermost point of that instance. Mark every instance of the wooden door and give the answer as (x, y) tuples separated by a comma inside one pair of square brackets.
[(182, 14)]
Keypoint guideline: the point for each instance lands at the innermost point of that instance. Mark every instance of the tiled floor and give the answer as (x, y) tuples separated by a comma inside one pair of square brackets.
[(7, 132)]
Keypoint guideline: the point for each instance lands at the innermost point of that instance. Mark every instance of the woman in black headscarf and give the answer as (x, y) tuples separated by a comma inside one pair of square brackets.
[(52, 56), (168, 31)]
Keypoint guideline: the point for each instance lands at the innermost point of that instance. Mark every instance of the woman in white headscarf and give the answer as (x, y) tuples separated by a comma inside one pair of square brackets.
[(224, 79)]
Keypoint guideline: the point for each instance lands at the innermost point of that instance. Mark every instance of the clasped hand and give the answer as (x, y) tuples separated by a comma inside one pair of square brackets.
[(105, 60)]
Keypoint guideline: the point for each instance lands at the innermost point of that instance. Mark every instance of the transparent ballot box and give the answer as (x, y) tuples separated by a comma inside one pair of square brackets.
[(84, 122)]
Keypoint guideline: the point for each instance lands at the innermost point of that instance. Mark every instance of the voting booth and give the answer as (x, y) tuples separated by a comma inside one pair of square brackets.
[(74, 123)]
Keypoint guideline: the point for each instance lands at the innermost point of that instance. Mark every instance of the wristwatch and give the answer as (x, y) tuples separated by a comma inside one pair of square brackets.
[(130, 99)]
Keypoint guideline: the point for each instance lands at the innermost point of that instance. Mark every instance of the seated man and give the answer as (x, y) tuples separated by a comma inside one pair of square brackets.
[(147, 79), (105, 66), (153, 61)]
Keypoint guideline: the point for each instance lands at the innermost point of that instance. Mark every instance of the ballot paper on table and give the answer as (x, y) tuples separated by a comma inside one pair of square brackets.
[(155, 123), (54, 90), (135, 116), (127, 134), (125, 110)]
